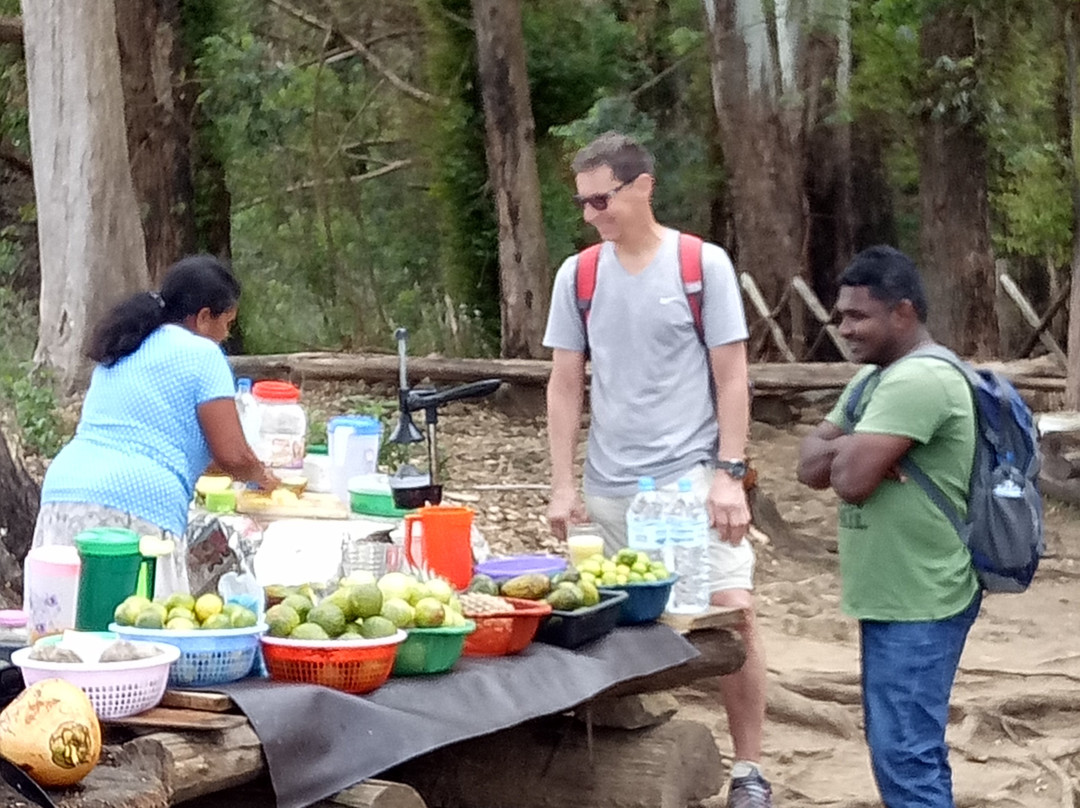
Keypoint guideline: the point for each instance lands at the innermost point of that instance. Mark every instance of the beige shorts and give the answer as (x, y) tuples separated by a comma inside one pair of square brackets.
[(730, 566)]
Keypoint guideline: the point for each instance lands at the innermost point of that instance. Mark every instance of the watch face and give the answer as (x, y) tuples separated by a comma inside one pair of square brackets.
[(736, 468)]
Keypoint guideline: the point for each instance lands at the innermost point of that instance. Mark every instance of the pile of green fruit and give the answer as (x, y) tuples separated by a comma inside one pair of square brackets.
[(566, 591), (625, 568), (362, 608), (181, 611)]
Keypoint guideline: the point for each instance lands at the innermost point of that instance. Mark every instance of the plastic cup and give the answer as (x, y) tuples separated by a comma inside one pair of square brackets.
[(583, 541), (110, 571)]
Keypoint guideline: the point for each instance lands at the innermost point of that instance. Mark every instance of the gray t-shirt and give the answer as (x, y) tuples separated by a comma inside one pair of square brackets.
[(653, 412)]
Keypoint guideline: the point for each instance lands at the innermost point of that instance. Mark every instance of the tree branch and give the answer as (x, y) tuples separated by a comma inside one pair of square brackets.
[(307, 185), (363, 50), (15, 158), (11, 30)]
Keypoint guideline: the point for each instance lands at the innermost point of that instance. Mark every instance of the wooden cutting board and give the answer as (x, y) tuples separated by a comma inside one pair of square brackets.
[(171, 718), (308, 506), (197, 700)]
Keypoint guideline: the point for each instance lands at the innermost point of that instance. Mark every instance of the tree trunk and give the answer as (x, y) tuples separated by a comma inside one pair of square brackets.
[(92, 249), (778, 70), (762, 142), (1072, 49), (955, 235), (511, 158), (158, 105), (19, 496)]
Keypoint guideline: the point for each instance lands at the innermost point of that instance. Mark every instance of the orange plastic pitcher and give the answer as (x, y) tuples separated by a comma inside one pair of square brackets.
[(445, 548)]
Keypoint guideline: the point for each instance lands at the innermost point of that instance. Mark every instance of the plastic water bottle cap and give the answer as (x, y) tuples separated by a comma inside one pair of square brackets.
[(646, 484), (243, 385), (685, 485)]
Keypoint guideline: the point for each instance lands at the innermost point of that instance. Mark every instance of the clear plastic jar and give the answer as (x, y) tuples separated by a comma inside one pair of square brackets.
[(282, 425)]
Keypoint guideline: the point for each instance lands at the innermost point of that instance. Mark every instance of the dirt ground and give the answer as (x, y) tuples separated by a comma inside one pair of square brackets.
[(1013, 728)]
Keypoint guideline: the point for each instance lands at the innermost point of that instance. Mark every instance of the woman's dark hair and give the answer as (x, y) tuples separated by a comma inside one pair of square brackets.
[(191, 284), (889, 275)]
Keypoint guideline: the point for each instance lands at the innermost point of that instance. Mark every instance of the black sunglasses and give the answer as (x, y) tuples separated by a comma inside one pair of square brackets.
[(599, 202)]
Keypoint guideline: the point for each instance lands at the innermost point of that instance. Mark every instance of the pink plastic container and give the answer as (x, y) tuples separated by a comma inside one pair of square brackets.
[(50, 589)]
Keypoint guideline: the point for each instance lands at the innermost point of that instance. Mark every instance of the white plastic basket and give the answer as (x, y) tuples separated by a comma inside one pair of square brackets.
[(116, 689)]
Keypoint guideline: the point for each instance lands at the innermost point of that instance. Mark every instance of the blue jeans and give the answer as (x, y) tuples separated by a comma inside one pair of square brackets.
[(907, 675)]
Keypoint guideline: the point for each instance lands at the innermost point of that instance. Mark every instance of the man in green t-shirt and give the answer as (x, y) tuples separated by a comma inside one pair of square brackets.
[(905, 574)]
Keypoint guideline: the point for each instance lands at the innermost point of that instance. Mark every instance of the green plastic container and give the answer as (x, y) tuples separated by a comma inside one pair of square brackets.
[(109, 573), (370, 495), (431, 650)]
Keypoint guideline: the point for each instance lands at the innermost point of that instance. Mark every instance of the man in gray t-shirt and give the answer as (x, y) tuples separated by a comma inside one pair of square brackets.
[(654, 408)]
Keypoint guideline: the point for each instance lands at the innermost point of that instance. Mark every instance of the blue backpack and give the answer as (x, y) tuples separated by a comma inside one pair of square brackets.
[(1004, 524)]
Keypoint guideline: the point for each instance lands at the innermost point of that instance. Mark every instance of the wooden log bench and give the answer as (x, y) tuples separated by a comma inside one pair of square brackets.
[(197, 749)]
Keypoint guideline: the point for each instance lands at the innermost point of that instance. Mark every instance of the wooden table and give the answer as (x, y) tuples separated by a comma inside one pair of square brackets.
[(198, 745)]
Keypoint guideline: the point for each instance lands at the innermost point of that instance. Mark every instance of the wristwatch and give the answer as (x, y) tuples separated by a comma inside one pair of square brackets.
[(736, 469)]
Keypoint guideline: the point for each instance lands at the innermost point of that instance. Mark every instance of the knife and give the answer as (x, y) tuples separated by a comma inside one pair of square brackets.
[(24, 784)]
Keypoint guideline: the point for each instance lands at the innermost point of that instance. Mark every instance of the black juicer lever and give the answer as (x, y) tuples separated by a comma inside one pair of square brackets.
[(429, 399)]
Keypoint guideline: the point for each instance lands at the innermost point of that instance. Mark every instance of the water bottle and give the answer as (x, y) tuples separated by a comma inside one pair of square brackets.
[(645, 530), (248, 410), (688, 538)]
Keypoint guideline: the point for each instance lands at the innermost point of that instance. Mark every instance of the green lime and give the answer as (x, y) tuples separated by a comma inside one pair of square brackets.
[(365, 600), (281, 619), (150, 618), (216, 622), (301, 604), (309, 631), (377, 626), (329, 616), (243, 618)]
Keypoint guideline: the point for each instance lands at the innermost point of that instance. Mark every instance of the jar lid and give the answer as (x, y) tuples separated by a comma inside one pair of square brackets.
[(280, 392), (12, 618), (108, 541), (317, 449), (358, 424)]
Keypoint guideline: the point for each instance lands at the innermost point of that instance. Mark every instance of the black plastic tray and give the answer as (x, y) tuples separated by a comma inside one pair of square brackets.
[(571, 629)]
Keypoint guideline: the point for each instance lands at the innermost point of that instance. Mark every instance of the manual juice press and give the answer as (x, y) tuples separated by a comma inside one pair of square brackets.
[(410, 487)]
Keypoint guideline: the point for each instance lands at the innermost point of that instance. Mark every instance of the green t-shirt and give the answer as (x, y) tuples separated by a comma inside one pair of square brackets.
[(900, 559)]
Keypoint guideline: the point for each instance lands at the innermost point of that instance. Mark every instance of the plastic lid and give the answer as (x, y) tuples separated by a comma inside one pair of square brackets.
[(360, 424), (279, 392), (12, 618), (243, 385), (317, 449), (646, 484), (685, 485), (108, 541)]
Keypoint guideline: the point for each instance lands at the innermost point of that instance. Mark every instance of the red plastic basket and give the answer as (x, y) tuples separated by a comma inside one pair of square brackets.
[(504, 633), (354, 666)]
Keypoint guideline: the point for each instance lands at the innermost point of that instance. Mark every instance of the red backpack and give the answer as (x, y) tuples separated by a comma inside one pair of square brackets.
[(689, 269)]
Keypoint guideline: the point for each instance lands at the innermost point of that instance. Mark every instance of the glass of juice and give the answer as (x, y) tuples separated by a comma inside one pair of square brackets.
[(583, 540)]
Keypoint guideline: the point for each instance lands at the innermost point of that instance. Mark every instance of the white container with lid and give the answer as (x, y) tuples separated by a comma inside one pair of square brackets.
[(282, 425), (353, 441), (51, 588)]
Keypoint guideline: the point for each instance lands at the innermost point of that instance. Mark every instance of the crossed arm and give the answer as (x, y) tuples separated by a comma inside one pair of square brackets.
[(852, 464)]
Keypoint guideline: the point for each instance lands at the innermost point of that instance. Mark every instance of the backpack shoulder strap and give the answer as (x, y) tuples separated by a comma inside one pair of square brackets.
[(692, 277), (932, 489), (585, 284)]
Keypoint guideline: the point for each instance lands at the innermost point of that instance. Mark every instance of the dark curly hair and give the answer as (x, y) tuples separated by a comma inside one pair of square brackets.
[(191, 284)]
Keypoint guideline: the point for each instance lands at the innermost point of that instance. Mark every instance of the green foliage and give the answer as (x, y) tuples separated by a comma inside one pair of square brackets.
[(32, 393)]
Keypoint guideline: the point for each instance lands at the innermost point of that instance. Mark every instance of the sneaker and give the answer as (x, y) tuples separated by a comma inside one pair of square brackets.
[(752, 791)]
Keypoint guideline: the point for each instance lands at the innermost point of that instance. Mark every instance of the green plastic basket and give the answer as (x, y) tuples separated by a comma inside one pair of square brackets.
[(431, 650)]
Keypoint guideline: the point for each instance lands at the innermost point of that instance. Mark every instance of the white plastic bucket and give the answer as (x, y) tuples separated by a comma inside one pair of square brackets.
[(354, 450), (50, 589)]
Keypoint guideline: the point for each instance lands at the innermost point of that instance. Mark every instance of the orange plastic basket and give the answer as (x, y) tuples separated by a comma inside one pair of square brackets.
[(354, 666), (504, 633)]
